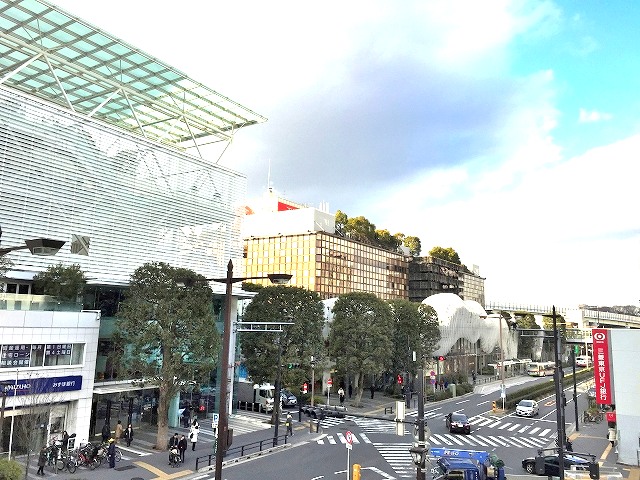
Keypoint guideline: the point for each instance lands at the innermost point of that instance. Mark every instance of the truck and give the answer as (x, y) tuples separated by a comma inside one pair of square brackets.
[(253, 394), (454, 464)]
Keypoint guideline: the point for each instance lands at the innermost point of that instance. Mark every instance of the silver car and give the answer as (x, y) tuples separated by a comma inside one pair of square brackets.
[(527, 408)]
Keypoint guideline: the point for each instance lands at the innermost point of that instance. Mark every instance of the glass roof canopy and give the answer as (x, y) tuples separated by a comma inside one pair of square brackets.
[(47, 52)]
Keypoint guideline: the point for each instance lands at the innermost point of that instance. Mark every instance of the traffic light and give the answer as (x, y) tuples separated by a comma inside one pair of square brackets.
[(594, 470), (356, 472), (293, 365), (399, 379), (440, 358)]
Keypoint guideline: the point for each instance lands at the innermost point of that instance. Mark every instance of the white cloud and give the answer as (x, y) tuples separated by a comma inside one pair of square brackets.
[(586, 116)]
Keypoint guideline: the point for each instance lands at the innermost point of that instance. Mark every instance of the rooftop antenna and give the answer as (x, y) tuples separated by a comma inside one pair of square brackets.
[(269, 177)]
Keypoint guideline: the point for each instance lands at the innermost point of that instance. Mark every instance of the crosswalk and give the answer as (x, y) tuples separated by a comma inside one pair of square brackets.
[(398, 457), (454, 441)]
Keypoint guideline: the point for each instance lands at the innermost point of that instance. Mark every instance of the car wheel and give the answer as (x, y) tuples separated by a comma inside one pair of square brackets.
[(529, 467)]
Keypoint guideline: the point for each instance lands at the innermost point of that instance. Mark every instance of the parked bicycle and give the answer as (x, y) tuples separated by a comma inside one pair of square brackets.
[(103, 453), (594, 417)]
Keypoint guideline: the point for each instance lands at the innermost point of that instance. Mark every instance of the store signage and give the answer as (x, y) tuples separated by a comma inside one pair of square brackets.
[(39, 386), (602, 367)]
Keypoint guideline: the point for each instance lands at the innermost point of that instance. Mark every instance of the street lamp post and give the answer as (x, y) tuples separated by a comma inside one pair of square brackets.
[(4, 386), (223, 422), (37, 246), (502, 366)]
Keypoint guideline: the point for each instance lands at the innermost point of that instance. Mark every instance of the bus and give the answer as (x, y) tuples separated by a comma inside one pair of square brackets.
[(540, 369)]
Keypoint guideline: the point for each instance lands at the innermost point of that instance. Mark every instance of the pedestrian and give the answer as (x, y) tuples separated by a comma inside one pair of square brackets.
[(173, 441), (446, 384), (568, 445), (441, 384), (612, 436), (473, 376), (111, 453), (193, 434), (289, 423), (186, 413), (372, 388), (341, 395), (350, 390), (65, 441), (128, 434), (182, 447), (106, 432), (42, 460), (119, 431)]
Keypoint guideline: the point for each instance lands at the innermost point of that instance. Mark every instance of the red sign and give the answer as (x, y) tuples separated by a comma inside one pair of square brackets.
[(330, 382), (305, 388), (611, 416), (602, 367)]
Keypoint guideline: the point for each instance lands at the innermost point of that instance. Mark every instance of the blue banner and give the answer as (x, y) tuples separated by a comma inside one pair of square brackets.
[(36, 386)]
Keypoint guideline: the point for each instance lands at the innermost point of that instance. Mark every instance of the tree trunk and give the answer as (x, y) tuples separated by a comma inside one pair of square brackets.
[(163, 416), (359, 388)]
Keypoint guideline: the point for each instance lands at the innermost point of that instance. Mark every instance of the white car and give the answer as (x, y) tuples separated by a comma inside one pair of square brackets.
[(527, 408)]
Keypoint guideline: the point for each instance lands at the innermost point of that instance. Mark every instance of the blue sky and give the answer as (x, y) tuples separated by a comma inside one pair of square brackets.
[(507, 130)]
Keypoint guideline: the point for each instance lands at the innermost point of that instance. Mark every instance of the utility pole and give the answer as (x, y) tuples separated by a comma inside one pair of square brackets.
[(559, 396)]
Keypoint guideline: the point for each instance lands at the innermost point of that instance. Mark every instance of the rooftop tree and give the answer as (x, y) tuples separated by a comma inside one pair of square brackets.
[(448, 254), (167, 333)]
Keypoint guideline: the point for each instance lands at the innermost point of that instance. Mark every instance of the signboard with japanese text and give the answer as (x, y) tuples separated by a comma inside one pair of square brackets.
[(15, 355), (601, 367), (36, 386)]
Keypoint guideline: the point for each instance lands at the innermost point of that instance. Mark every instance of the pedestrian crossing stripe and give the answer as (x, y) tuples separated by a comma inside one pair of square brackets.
[(455, 441)]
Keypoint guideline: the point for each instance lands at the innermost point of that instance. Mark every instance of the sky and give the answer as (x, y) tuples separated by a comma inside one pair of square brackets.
[(507, 130)]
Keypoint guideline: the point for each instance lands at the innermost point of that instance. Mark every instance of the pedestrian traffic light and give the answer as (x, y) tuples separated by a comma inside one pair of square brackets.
[(594, 470), (293, 365), (441, 358), (399, 379), (356, 472)]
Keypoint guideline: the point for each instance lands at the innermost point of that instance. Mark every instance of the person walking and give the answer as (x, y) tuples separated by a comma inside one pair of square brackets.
[(128, 434), (42, 460), (289, 423), (193, 434), (111, 453), (350, 390), (372, 388), (182, 447), (612, 436), (119, 431), (106, 432), (341, 396), (65, 441)]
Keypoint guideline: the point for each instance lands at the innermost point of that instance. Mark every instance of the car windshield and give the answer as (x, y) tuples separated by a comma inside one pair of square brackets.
[(525, 403), (458, 417)]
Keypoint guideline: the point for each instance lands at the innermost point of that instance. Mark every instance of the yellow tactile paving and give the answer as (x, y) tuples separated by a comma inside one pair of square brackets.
[(162, 475)]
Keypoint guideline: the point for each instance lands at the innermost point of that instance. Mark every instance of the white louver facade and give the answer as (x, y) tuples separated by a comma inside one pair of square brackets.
[(117, 199)]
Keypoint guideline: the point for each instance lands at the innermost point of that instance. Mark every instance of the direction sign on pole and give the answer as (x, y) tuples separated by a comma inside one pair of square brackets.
[(349, 438)]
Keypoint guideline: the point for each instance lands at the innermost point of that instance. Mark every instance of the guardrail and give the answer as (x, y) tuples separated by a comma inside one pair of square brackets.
[(249, 449)]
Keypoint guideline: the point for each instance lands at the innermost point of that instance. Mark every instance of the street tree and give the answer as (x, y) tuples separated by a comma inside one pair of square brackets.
[(448, 254), (65, 283), (167, 333), (526, 343), (360, 340), (415, 330), (299, 341)]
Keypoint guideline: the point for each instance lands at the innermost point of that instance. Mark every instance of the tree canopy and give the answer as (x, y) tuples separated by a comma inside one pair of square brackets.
[(360, 340), (60, 281), (415, 330), (167, 333), (281, 303), (448, 254)]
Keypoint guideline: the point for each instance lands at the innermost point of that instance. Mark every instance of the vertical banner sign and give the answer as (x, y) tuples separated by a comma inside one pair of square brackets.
[(602, 367)]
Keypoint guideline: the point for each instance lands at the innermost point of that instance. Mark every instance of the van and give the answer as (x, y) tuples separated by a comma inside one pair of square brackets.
[(583, 361)]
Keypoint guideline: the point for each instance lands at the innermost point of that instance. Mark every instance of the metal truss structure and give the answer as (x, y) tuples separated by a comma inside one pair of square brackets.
[(55, 56)]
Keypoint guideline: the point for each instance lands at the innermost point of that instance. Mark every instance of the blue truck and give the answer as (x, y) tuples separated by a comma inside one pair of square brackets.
[(454, 464)]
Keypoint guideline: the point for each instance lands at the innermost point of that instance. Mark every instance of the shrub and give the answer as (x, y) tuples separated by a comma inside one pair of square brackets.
[(10, 470)]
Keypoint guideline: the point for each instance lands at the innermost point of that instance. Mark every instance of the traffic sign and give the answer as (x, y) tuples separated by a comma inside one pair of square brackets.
[(349, 437), (433, 381), (305, 388), (432, 373), (329, 382), (216, 419)]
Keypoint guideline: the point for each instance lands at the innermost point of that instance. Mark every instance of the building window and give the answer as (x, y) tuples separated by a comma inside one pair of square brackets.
[(38, 355)]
